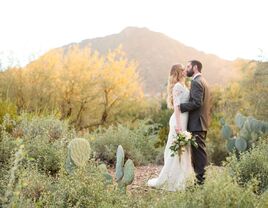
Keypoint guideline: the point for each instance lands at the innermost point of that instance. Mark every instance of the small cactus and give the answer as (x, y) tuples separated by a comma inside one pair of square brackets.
[(104, 171), (128, 172), (124, 175), (78, 154), (120, 157)]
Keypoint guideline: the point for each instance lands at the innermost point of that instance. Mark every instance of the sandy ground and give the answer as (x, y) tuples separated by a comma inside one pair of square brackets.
[(142, 175)]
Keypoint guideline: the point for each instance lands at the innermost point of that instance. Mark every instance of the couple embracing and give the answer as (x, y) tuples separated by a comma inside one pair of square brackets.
[(191, 112)]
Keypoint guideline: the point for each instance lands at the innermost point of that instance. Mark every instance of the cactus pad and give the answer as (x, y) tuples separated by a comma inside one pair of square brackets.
[(231, 144), (226, 132), (239, 120), (241, 144), (120, 156), (128, 172), (79, 151)]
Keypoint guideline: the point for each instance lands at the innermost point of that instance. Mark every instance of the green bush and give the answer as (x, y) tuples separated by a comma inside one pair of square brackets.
[(9, 108), (32, 186), (46, 156), (137, 143), (161, 117), (7, 150), (85, 188), (252, 165), (219, 190), (215, 145), (44, 138), (48, 127), (264, 200)]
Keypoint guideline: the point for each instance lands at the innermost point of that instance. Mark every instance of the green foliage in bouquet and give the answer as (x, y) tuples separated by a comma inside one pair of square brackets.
[(181, 141)]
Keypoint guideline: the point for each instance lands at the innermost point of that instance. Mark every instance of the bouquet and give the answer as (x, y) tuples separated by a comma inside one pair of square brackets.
[(179, 143)]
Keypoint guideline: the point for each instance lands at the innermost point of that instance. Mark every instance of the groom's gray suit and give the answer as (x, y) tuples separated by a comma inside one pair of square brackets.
[(198, 108)]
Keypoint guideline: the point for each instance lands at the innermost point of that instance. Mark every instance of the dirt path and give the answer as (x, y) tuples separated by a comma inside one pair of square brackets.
[(142, 175)]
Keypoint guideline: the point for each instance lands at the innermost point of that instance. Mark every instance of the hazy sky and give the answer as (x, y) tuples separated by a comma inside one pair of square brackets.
[(227, 28)]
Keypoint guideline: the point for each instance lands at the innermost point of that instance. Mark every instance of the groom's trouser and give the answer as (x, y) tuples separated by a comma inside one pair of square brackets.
[(199, 156)]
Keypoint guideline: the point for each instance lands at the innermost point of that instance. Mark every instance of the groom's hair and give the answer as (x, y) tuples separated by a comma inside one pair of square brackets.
[(196, 63)]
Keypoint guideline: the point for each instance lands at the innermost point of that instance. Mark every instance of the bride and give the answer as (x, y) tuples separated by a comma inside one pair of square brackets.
[(176, 171)]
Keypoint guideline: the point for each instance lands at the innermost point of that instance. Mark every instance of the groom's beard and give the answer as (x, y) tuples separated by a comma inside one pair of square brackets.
[(190, 73)]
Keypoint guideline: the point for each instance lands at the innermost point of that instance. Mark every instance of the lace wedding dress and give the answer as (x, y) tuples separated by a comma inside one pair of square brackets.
[(176, 171)]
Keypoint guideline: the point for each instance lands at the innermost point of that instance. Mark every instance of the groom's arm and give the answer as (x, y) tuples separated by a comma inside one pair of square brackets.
[(197, 92)]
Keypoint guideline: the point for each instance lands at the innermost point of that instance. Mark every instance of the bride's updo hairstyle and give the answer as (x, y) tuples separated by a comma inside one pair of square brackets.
[(175, 76)]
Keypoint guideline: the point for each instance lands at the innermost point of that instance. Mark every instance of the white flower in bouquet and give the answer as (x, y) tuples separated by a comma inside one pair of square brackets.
[(182, 140), (187, 135)]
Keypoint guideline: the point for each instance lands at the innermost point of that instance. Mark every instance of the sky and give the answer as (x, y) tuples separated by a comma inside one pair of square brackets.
[(229, 29)]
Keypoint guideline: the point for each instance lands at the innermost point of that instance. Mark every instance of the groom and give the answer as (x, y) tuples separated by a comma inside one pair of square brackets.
[(198, 108)]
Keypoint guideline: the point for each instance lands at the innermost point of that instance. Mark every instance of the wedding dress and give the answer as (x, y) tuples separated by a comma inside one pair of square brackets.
[(176, 171)]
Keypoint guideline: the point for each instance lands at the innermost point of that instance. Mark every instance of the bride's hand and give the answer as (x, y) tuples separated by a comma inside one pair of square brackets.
[(177, 129)]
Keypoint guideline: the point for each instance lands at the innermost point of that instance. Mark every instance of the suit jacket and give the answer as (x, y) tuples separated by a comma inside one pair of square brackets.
[(198, 105)]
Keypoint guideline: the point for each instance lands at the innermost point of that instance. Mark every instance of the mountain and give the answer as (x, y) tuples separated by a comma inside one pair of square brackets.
[(156, 53)]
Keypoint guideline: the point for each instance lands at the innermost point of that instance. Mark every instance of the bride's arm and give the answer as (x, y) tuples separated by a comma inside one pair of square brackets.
[(177, 92), (177, 113)]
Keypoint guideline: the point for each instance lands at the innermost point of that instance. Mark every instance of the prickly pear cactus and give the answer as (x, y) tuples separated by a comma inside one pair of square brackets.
[(104, 171), (231, 144), (241, 144), (78, 154), (102, 168), (69, 165), (226, 131), (120, 157), (124, 173), (240, 120), (128, 172), (251, 130)]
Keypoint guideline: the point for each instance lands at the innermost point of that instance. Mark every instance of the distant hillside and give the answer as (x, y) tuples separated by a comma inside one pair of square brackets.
[(156, 53)]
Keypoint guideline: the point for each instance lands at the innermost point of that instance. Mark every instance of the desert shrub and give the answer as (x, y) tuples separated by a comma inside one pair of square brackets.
[(215, 145), (45, 139), (7, 148), (48, 127), (31, 187), (219, 190), (263, 200), (161, 117), (46, 156), (137, 143), (85, 188), (9, 108), (252, 165)]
